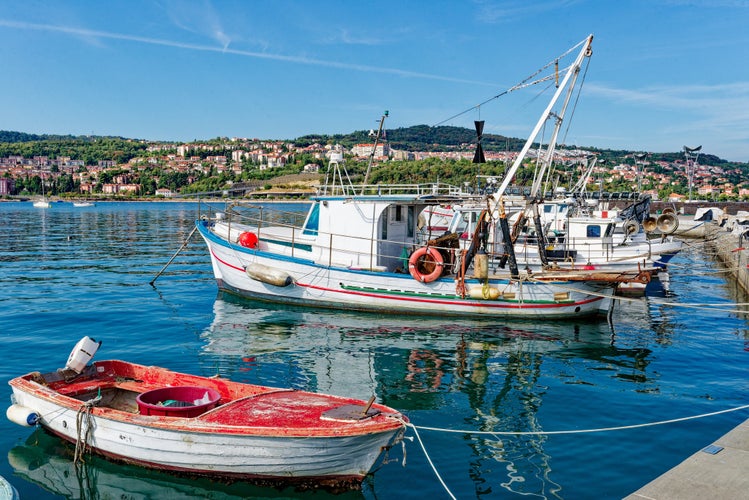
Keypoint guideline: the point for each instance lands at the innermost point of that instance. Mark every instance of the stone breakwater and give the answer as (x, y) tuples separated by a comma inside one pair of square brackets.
[(732, 249)]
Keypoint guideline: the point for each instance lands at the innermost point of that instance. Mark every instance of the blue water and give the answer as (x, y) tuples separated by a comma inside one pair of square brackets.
[(66, 272)]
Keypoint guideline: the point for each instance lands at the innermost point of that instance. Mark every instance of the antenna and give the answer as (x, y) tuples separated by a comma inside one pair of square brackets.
[(374, 148)]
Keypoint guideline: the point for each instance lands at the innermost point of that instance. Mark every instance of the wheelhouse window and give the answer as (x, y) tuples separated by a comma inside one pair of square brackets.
[(396, 213), (593, 231), (312, 224)]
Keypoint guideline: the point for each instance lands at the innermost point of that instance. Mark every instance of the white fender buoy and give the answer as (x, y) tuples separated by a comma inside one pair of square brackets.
[(481, 292), (25, 417), (269, 275)]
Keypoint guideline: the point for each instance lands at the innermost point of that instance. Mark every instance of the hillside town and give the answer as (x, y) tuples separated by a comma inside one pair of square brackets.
[(108, 178)]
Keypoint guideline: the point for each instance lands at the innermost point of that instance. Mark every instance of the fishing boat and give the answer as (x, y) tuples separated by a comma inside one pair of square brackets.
[(563, 237), (182, 423), (362, 247)]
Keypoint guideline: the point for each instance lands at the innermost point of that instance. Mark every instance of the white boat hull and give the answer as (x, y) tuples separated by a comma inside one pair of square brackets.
[(360, 289)]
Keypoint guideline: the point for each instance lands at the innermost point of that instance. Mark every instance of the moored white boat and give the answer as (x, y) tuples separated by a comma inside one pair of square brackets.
[(363, 248), (575, 242), (336, 260), (184, 423)]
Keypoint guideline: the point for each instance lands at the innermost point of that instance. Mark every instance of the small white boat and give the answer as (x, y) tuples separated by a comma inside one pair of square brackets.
[(177, 422), (704, 224), (81, 204)]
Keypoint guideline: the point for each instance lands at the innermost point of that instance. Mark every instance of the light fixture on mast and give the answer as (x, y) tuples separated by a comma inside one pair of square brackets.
[(691, 155)]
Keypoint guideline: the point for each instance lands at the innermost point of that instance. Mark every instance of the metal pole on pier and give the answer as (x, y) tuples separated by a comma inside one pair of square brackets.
[(174, 256)]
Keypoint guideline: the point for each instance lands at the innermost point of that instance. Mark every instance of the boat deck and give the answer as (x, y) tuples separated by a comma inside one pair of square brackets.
[(113, 388)]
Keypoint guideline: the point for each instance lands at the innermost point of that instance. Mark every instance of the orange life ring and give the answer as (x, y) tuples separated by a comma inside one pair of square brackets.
[(425, 264)]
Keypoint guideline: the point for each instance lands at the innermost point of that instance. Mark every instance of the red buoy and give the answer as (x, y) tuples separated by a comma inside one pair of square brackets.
[(248, 240)]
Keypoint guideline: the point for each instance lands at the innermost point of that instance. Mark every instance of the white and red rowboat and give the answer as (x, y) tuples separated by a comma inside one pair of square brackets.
[(232, 430)]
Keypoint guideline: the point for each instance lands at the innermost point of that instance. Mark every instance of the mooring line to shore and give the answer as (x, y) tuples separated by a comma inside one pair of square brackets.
[(495, 434), (174, 256), (576, 431), (429, 459), (705, 273)]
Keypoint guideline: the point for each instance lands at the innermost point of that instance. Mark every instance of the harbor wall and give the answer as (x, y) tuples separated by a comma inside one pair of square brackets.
[(732, 250)]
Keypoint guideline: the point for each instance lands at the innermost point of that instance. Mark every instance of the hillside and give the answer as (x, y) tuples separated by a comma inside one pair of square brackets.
[(446, 138), (415, 138)]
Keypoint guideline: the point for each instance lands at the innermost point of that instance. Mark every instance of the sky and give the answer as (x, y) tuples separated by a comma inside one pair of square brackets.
[(663, 74)]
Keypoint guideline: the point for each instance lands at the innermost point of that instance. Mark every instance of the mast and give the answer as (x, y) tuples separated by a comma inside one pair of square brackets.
[(374, 149), (573, 70)]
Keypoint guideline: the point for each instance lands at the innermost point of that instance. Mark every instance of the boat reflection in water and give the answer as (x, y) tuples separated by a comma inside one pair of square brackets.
[(475, 374), (47, 461)]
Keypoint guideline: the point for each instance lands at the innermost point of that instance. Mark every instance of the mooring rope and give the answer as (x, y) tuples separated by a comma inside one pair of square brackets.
[(577, 431), (82, 439), (429, 459), (495, 434)]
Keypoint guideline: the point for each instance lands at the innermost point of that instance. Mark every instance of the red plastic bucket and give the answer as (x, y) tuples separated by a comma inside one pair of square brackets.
[(177, 401)]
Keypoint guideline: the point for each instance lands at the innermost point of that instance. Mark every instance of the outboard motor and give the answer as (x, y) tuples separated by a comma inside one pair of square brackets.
[(82, 353)]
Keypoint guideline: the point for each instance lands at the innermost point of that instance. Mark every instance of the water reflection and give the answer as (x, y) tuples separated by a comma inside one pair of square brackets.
[(47, 462), (474, 374)]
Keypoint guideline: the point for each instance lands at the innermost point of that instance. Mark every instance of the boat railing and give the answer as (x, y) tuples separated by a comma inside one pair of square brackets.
[(603, 247), (330, 249), (435, 189)]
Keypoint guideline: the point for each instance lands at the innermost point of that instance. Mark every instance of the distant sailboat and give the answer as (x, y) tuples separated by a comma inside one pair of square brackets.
[(44, 201)]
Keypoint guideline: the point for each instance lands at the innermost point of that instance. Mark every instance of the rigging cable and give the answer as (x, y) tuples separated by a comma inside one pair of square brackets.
[(523, 84), (577, 99)]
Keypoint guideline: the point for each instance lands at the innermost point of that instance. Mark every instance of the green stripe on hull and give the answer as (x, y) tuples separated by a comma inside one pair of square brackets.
[(386, 291)]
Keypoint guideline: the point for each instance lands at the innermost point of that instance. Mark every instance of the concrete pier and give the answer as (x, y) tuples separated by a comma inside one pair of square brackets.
[(716, 471)]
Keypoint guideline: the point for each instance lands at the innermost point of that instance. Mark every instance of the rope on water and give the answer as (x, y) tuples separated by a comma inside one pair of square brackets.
[(83, 438), (429, 459), (575, 431), (715, 272)]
